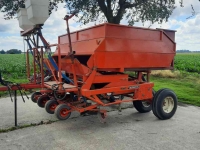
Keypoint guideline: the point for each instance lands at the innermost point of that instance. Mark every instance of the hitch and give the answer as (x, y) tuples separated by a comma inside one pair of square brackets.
[(10, 86)]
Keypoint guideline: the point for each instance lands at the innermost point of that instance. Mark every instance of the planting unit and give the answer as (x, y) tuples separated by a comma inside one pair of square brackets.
[(88, 70)]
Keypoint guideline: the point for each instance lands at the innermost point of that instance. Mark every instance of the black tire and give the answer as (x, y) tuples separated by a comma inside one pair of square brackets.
[(112, 99), (42, 100), (142, 106), (50, 106), (153, 92), (153, 103), (62, 112), (165, 104), (59, 96), (35, 96)]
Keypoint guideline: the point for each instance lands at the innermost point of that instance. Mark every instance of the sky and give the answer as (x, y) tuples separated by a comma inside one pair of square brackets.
[(187, 35)]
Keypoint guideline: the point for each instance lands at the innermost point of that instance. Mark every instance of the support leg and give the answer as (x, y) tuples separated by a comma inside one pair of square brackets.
[(15, 105)]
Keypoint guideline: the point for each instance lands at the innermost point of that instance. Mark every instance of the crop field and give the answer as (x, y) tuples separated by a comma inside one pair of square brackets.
[(186, 85), (189, 62), (13, 65)]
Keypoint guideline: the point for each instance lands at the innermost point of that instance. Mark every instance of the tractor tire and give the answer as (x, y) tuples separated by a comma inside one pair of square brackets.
[(62, 112), (153, 103), (35, 96), (50, 106), (142, 106), (42, 100), (165, 104)]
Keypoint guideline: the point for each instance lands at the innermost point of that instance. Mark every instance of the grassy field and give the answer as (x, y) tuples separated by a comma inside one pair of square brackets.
[(185, 80), (187, 89)]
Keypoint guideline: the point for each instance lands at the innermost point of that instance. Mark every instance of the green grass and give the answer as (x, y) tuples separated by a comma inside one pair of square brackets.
[(187, 85), (186, 89)]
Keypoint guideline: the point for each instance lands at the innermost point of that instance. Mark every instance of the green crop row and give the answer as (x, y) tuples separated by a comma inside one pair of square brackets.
[(188, 62), (14, 66)]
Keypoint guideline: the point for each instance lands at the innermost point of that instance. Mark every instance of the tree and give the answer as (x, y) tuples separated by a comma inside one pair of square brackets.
[(111, 11), (2, 52), (115, 10), (14, 51)]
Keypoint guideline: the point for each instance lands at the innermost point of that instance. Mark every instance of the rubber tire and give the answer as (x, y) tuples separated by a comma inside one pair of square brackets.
[(153, 92), (49, 104), (33, 96), (153, 103), (42, 100), (58, 110), (140, 107), (112, 99), (158, 104), (58, 98)]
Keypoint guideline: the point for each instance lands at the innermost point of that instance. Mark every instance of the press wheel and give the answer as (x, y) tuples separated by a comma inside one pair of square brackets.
[(62, 112)]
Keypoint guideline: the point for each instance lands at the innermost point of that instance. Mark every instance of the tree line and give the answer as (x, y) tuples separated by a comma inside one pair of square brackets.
[(187, 51), (11, 51)]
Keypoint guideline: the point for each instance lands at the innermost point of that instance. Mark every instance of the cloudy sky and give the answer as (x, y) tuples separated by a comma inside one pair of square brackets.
[(187, 36)]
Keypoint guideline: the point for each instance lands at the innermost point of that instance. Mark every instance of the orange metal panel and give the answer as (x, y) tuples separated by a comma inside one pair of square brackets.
[(127, 32), (81, 48), (121, 83), (115, 45), (118, 47), (64, 39), (132, 60), (169, 33), (94, 32), (144, 92), (110, 78), (80, 69)]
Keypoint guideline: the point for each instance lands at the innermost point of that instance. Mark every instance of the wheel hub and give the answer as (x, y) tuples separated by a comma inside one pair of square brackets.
[(168, 104), (52, 107), (36, 97), (146, 103), (44, 101), (63, 112)]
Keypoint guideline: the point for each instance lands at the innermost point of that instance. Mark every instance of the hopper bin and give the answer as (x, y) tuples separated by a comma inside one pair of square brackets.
[(38, 10)]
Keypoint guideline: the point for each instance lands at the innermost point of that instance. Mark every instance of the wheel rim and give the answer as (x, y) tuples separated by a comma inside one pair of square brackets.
[(36, 97), (146, 104), (64, 112), (44, 102), (53, 107), (168, 104)]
